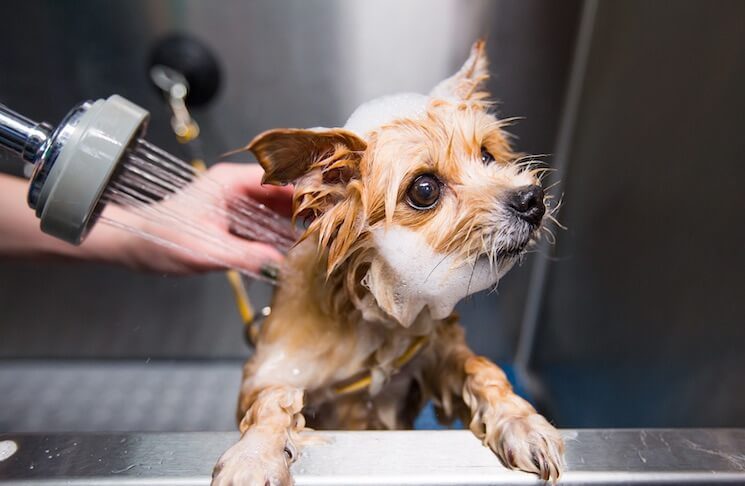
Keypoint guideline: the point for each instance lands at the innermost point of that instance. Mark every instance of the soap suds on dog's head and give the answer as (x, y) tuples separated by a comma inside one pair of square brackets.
[(381, 111)]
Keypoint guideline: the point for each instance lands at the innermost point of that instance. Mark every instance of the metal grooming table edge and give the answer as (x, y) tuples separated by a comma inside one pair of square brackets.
[(661, 456)]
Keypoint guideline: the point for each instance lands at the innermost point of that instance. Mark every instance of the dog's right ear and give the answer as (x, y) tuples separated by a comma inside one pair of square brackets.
[(468, 82), (288, 154), (324, 165)]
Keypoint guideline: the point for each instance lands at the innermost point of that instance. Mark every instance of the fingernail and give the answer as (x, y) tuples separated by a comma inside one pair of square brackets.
[(270, 271)]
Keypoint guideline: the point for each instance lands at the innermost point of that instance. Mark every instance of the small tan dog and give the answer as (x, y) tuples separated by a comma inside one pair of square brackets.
[(415, 204)]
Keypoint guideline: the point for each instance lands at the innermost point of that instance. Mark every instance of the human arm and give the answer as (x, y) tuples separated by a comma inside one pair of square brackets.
[(21, 238)]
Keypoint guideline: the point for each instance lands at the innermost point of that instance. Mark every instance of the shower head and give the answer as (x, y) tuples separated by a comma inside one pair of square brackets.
[(74, 162)]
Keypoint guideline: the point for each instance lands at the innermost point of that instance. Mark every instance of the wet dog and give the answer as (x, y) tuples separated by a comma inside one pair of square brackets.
[(416, 203)]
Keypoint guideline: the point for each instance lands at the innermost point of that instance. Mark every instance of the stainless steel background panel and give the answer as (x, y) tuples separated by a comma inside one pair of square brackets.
[(292, 63), (643, 323)]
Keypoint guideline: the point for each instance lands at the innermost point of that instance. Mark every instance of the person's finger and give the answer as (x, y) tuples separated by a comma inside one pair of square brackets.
[(192, 256), (248, 256), (245, 179)]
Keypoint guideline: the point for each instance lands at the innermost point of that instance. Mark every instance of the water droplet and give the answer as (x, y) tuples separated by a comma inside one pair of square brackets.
[(7, 449)]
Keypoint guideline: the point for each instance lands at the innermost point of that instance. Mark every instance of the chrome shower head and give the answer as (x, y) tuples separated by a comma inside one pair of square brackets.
[(74, 162)]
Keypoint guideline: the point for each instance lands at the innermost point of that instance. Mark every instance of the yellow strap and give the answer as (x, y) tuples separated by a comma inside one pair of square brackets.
[(245, 309), (199, 165), (365, 381), (242, 301)]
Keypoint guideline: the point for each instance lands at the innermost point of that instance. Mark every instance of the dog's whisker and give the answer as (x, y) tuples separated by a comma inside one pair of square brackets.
[(470, 278), (544, 170), (556, 222), (509, 121), (550, 237), (531, 158), (542, 174), (559, 204), (551, 186), (438, 264)]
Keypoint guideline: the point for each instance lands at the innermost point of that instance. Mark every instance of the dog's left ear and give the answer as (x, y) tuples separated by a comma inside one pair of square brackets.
[(468, 82), (288, 154)]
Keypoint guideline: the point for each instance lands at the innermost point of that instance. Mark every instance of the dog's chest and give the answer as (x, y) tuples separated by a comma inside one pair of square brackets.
[(394, 406)]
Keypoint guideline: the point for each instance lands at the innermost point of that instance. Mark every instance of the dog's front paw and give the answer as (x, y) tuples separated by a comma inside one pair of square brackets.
[(258, 459), (528, 443)]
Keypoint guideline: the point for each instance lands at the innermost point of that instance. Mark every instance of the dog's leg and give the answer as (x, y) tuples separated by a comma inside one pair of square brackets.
[(268, 439), (506, 423)]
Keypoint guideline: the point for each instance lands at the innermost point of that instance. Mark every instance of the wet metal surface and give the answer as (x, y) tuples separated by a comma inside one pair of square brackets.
[(691, 456)]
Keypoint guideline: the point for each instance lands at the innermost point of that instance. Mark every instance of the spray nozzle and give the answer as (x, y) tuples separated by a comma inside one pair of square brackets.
[(74, 162)]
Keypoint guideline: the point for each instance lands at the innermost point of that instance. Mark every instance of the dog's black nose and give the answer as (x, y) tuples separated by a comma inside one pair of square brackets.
[(527, 203)]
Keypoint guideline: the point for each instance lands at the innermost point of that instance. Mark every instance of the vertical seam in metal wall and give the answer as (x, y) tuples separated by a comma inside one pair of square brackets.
[(565, 136)]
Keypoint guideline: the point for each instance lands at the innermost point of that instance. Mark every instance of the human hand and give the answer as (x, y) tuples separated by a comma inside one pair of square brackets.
[(194, 231)]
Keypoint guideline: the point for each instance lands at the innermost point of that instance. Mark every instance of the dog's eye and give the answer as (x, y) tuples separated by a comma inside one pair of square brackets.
[(486, 157), (424, 192)]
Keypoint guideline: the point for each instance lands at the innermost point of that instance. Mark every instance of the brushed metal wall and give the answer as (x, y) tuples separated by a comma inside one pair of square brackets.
[(645, 310), (291, 63), (643, 318)]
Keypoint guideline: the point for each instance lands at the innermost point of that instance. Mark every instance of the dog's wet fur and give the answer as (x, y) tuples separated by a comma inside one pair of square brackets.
[(375, 271)]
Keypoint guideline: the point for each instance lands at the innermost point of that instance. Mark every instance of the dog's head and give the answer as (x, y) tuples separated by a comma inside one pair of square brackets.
[(419, 199)]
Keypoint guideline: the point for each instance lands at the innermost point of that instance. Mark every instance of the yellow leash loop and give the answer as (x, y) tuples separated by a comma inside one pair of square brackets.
[(366, 379)]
